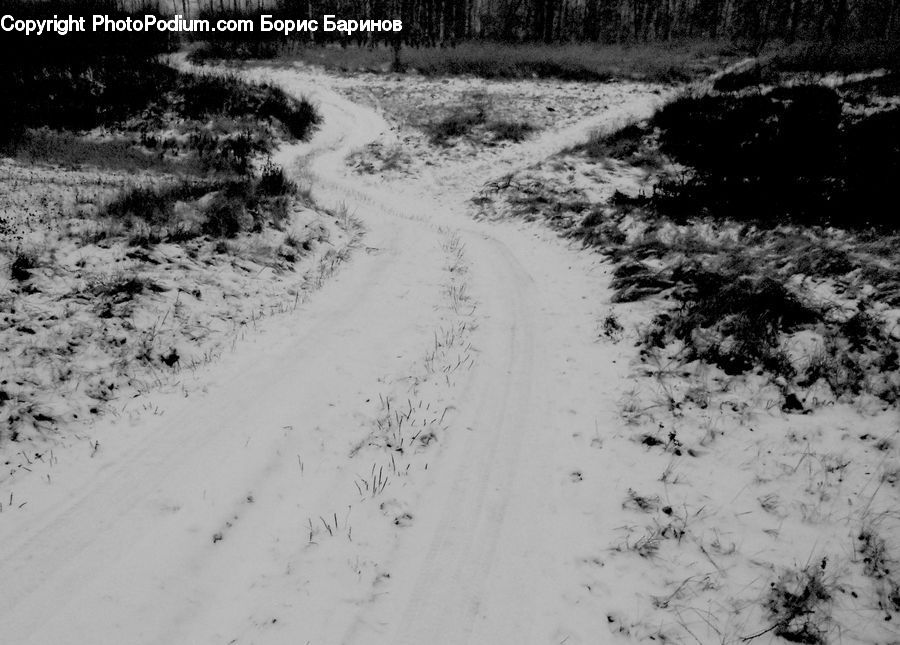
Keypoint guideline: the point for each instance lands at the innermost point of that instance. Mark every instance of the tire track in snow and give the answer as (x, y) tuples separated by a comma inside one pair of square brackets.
[(466, 571), (495, 411), (452, 579), (461, 573)]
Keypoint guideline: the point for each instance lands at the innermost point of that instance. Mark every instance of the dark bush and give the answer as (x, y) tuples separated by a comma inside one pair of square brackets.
[(226, 216), (788, 133), (52, 81), (734, 321), (783, 156), (864, 331), (146, 204), (228, 154), (123, 288), (713, 296), (239, 204), (510, 130), (205, 95), (870, 165), (78, 80), (155, 206), (236, 152), (457, 123), (620, 144), (21, 266), (273, 182)]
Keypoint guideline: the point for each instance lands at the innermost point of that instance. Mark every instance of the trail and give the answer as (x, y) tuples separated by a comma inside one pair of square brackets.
[(212, 523)]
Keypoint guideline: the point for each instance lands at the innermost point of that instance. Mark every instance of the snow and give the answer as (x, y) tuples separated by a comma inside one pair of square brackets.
[(71, 339), (294, 497)]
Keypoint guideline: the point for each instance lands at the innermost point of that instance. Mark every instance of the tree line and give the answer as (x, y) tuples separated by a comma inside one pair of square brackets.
[(447, 22)]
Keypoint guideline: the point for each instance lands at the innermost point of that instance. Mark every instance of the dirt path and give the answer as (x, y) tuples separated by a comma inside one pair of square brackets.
[(259, 511)]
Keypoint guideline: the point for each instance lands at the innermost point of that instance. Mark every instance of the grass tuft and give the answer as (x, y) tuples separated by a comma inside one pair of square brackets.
[(798, 604), (22, 265), (459, 122), (514, 131)]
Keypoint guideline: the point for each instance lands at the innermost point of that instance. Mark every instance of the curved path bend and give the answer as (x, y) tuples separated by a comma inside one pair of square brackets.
[(206, 524)]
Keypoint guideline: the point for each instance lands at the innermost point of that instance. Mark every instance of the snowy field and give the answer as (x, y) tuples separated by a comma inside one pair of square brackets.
[(437, 425)]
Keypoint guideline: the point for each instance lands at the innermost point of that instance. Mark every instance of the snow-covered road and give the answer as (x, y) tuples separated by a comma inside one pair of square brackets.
[(274, 507)]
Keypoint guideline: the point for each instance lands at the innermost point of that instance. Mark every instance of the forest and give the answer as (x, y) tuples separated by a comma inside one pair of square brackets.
[(448, 22)]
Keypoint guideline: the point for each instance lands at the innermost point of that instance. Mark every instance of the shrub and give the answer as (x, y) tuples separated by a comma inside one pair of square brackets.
[(203, 95), (783, 156), (841, 372), (122, 288), (238, 204), (229, 154), (227, 214), (457, 123), (820, 260), (21, 266), (155, 206), (870, 162), (274, 182), (510, 130), (276, 210), (857, 356), (236, 152), (789, 132), (620, 144), (83, 92), (732, 320), (78, 80), (151, 206)]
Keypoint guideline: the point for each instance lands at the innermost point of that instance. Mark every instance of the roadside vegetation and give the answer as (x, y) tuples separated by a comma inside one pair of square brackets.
[(667, 63), (743, 199), (138, 206), (752, 264), (758, 170)]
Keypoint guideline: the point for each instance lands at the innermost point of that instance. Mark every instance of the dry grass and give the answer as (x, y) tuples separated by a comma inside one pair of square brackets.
[(669, 62), (768, 373)]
